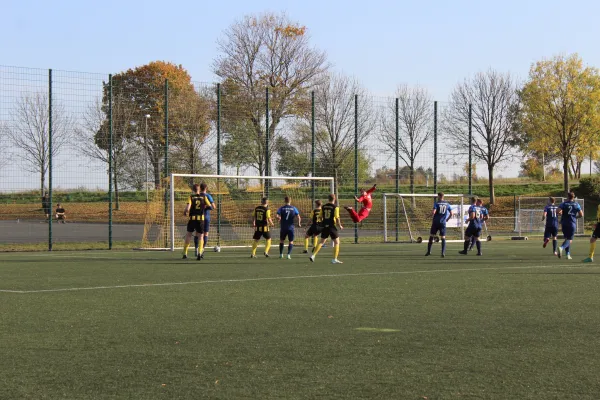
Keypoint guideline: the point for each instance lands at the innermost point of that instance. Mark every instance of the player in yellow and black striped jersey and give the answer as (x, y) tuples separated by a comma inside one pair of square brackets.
[(595, 236), (330, 216), (261, 220), (196, 206), (315, 228)]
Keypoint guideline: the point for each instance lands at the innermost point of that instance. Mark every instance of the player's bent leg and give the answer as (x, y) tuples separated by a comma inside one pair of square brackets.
[(592, 250), (353, 214)]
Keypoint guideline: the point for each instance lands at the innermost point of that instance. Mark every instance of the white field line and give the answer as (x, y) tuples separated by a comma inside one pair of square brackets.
[(277, 278)]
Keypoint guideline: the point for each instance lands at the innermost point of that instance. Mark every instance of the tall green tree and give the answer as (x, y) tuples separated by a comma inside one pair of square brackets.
[(560, 109)]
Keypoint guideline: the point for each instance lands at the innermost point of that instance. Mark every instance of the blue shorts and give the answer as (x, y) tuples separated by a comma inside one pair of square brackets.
[(568, 231), (289, 233), (206, 224), (473, 230), (550, 231), (438, 226)]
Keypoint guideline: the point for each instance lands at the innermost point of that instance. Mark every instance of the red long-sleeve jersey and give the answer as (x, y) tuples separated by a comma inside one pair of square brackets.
[(366, 200)]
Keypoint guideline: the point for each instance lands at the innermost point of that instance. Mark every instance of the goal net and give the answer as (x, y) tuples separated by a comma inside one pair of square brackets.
[(530, 211), (235, 198), (407, 217)]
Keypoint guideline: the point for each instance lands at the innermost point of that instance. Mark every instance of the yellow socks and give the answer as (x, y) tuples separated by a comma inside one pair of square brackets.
[(185, 248), (200, 245), (317, 248), (315, 241), (268, 246), (306, 244), (254, 246), (336, 251), (592, 249)]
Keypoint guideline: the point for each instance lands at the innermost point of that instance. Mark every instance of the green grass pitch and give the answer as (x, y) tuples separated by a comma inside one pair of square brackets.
[(517, 323)]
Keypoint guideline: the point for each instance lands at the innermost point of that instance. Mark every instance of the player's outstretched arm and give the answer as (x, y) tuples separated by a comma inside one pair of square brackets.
[(372, 189)]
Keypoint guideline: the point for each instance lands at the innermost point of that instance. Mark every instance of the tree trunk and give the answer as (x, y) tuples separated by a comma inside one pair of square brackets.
[(566, 175), (42, 180), (491, 184)]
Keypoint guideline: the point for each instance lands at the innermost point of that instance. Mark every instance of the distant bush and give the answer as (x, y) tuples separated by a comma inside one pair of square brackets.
[(589, 188)]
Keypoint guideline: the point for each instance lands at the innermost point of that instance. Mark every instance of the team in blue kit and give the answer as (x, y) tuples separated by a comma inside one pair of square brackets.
[(569, 211), (442, 212), (551, 227), (286, 216)]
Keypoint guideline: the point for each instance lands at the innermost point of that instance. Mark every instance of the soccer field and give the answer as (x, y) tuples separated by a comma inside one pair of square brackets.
[(389, 323)]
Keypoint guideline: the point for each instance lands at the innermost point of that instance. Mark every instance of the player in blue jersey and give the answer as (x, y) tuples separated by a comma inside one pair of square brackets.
[(286, 215), (442, 212), (485, 215), (204, 190), (569, 211), (551, 228), (474, 227)]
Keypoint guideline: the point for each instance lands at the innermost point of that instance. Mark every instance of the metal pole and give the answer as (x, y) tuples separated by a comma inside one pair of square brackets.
[(146, 150), (167, 158), (110, 160), (470, 166), (397, 170), (355, 161), (50, 159), (218, 164), (435, 146), (267, 159), (312, 151)]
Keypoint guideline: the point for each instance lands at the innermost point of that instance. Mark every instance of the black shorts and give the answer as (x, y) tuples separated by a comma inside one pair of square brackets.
[(329, 231), (596, 233), (195, 225), (206, 224), (258, 234), (314, 230), (473, 230)]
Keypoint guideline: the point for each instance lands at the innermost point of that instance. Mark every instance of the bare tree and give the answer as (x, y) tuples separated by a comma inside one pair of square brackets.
[(334, 119), (7, 152), (30, 132), (268, 51), (494, 101), (415, 114), (93, 137)]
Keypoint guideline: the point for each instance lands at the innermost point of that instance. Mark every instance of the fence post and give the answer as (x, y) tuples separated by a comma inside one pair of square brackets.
[(267, 158), (470, 166), (355, 161), (397, 170), (110, 161), (218, 164), (50, 159), (435, 146), (312, 148), (166, 122)]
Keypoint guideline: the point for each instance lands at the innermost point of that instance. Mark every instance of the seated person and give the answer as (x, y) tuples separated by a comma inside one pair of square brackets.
[(60, 213)]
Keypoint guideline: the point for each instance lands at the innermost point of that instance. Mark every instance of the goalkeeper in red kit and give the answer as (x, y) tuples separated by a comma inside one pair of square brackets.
[(366, 204)]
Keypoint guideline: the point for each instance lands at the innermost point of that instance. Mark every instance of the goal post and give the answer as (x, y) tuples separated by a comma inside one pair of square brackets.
[(407, 217), (235, 197)]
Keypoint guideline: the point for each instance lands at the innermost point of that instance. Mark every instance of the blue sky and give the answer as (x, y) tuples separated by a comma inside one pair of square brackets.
[(382, 43)]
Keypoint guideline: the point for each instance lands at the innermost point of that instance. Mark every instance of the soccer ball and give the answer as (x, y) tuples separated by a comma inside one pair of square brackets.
[(217, 249)]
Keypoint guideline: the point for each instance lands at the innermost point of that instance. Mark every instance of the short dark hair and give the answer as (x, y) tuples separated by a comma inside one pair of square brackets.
[(318, 203), (552, 200), (571, 195), (331, 197), (287, 199), (57, 204), (203, 186), (473, 199), (195, 187), (264, 201), (441, 195)]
